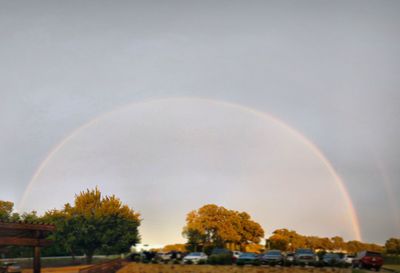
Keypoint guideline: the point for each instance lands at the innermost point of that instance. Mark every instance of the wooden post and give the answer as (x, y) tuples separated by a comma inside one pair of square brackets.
[(36, 260)]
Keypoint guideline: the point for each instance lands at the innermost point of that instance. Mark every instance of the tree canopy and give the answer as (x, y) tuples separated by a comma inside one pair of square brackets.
[(213, 225), (95, 222), (289, 240), (393, 246)]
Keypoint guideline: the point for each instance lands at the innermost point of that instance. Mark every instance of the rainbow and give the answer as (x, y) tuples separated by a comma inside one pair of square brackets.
[(338, 180)]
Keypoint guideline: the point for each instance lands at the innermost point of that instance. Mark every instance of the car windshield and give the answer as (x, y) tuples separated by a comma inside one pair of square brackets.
[(274, 253), (195, 254), (331, 255), (304, 251), (246, 255), (373, 254)]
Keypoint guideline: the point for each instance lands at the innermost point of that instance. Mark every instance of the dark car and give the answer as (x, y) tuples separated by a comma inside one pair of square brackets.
[(368, 260), (247, 258), (221, 256), (272, 256), (331, 259), (304, 255)]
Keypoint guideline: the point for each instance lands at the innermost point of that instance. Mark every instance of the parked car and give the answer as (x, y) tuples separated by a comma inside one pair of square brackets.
[(247, 258), (164, 256), (304, 255), (368, 260), (289, 257), (348, 259), (272, 256), (331, 259), (221, 256), (10, 267), (195, 257), (236, 254)]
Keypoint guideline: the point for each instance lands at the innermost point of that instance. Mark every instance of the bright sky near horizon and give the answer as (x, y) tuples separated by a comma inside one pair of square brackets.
[(328, 70)]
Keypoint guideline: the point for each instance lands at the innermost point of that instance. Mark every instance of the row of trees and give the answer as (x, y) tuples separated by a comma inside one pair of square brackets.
[(7, 213), (288, 240), (102, 224), (215, 226)]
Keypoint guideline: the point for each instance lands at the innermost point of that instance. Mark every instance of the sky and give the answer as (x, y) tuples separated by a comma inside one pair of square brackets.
[(172, 105)]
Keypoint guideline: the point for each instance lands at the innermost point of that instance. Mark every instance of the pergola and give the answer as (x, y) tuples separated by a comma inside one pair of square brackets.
[(26, 234)]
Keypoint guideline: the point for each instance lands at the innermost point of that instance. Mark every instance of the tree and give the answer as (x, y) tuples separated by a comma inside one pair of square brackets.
[(278, 242), (6, 209), (338, 243), (250, 232), (392, 246), (288, 239), (216, 226), (175, 247), (95, 223)]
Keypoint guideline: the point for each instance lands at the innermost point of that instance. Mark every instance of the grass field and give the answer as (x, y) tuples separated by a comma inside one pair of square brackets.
[(395, 267)]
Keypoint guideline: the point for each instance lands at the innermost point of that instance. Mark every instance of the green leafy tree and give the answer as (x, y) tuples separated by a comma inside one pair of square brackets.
[(6, 209), (95, 223), (392, 246)]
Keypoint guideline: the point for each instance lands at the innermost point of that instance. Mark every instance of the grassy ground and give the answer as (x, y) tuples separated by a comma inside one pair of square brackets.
[(395, 267)]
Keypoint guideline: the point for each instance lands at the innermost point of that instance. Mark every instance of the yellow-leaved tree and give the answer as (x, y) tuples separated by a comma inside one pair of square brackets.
[(216, 226)]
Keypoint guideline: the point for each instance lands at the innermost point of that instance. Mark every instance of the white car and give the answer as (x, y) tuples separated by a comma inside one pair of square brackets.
[(348, 259), (195, 257), (164, 256), (236, 254)]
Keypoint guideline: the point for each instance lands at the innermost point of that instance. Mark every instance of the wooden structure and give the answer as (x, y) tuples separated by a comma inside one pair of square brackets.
[(26, 234), (106, 267)]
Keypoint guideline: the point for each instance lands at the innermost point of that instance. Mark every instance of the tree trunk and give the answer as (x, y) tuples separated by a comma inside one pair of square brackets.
[(89, 257)]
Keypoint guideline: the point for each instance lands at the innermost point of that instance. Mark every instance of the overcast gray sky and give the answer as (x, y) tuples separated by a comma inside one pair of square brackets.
[(328, 69)]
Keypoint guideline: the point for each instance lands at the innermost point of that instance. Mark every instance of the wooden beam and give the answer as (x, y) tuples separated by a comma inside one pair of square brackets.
[(16, 241), (36, 260), (26, 226)]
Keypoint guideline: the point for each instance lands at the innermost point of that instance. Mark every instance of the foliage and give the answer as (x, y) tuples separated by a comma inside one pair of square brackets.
[(175, 247), (289, 240), (216, 226), (6, 209), (392, 246), (95, 223), (254, 248)]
